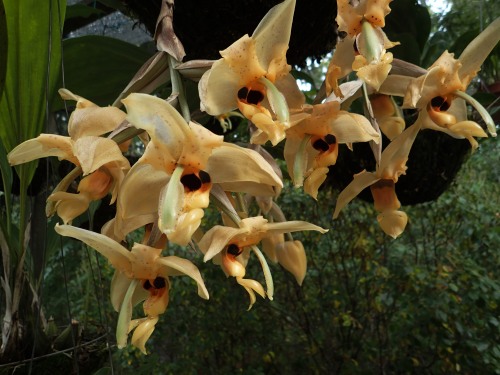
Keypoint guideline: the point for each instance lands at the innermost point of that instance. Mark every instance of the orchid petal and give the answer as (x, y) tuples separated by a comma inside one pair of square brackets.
[(175, 266), (159, 119), (395, 155), (361, 181), (292, 226), (272, 36), (94, 152), (314, 181), (143, 332), (239, 169), (478, 50), (292, 256), (218, 237), (116, 254), (69, 205), (43, 146)]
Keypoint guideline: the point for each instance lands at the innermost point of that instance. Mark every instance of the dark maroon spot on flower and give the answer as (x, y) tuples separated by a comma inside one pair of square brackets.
[(234, 249), (159, 283), (191, 182), (204, 177), (330, 139), (242, 93), (440, 103), (342, 34), (355, 47), (255, 97), (320, 145), (147, 285)]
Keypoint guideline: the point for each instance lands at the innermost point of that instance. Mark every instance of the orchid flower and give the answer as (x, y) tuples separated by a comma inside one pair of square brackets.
[(440, 93), (230, 246), (253, 75), (382, 184), (170, 184), (363, 49), (142, 275), (312, 145), (100, 159)]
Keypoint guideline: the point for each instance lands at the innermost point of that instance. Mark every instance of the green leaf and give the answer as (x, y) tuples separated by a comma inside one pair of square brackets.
[(33, 50), (98, 67), (3, 47), (81, 10)]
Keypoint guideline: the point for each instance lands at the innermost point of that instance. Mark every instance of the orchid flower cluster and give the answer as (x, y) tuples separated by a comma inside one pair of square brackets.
[(185, 167)]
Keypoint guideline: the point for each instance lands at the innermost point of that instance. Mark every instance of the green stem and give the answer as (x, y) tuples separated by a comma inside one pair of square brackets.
[(177, 88), (490, 124)]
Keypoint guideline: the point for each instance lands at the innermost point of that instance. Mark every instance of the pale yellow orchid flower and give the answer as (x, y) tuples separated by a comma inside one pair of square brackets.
[(229, 247), (363, 49), (142, 275), (440, 93), (170, 184), (249, 75), (382, 184), (312, 145), (100, 159)]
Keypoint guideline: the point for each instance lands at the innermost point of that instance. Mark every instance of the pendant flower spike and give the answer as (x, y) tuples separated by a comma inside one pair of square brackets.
[(142, 275), (170, 184), (382, 184), (247, 75), (99, 158)]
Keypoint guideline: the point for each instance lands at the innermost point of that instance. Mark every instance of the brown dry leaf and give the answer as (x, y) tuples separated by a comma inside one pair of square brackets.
[(165, 37)]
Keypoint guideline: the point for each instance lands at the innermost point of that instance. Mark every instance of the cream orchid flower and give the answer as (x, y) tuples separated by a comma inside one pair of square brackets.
[(230, 247), (363, 49), (250, 73), (100, 159), (312, 145), (382, 184), (170, 184), (142, 275), (440, 93)]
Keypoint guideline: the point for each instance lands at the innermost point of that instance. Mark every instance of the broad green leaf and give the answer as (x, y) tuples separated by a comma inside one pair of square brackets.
[(3, 47), (98, 68), (33, 51)]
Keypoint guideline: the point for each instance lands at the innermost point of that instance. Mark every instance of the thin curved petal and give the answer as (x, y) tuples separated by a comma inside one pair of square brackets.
[(175, 266), (361, 181), (69, 205), (292, 256), (351, 127), (478, 50), (116, 254), (143, 332), (292, 226)]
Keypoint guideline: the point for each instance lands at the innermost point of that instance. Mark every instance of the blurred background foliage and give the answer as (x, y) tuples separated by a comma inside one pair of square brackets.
[(426, 303)]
